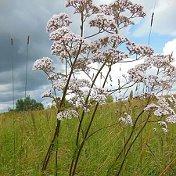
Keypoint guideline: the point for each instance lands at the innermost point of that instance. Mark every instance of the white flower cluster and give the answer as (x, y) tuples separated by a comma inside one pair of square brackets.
[(139, 49), (136, 10), (106, 9), (172, 100), (56, 76), (58, 21), (65, 42), (47, 93), (76, 85), (113, 41), (164, 108), (171, 118), (108, 19), (137, 74), (163, 126), (44, 64), (59, 33), (82, 64), (157, 73), (60, 84), (151, 106), (111, 56), (104, 22), (67, 114), (126, 120), (98, 95), (82, 6), (79, 90), (125, 21), (160, 61)]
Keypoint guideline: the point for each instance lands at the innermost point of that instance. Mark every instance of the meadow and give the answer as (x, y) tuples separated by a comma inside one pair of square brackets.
[(25, 137)]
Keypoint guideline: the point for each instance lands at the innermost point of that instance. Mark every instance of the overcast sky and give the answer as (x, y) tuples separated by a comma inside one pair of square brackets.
[(20, 18)]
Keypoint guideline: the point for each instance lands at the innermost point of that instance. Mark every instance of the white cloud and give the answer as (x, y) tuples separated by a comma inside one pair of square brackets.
[(170, 48), (4, 107), (164, 14), (99, 2)]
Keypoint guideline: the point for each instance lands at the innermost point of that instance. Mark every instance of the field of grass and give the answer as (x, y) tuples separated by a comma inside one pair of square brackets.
[(25, 137)]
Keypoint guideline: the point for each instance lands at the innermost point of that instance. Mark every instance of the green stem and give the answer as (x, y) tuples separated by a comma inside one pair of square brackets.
[(57, 129), (51, 147), (86, 101), (82, 117), (72, 171), (132, 143), (129, 138)]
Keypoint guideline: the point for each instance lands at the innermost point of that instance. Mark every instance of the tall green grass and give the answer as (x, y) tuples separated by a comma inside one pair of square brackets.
[(25, 137)]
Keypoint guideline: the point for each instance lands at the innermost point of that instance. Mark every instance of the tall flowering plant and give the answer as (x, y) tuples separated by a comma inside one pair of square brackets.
[(90, 54)]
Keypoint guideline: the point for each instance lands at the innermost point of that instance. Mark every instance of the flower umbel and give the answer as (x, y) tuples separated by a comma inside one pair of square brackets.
[(126, 120), (67, 114)]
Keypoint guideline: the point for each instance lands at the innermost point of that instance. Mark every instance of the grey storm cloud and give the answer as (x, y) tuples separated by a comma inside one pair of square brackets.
[(18, 19)]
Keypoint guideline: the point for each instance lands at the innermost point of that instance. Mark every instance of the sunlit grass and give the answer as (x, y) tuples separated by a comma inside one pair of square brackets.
[(25, 137)]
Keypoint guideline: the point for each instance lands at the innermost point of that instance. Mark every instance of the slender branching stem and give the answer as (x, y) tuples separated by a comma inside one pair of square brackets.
[(86, 102), (74, 164), (129, 138), (57, 129), (132, 143)]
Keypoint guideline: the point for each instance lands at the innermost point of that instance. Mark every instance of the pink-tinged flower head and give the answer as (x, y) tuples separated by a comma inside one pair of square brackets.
[(110, 56), (47, 93), (126, 120), (67, 114), (44, 64), (139, 49), (163, 109), (58, 21), (103, 22), (171, 119), (66, 43), (163, 126), (59, 33), (136, 10), (82, 6), (123, 5)]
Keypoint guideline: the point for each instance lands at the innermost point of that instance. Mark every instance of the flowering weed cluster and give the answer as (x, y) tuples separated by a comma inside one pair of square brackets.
[(94, 50)]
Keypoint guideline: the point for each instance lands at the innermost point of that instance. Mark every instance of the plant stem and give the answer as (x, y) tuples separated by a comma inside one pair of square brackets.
[(127, 152), (86, 101), (57, 129), (56, 160), (83, 142), (129, 138), (73, 168), (82, 116), (50, 149)]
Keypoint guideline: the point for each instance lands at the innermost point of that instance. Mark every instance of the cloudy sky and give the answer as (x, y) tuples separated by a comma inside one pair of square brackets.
[(20, 18)]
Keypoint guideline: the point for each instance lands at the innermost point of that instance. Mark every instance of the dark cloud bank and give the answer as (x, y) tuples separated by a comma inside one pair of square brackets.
[(18, 19)]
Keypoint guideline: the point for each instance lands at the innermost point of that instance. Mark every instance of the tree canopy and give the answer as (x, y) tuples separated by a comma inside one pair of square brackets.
[(26, 104)]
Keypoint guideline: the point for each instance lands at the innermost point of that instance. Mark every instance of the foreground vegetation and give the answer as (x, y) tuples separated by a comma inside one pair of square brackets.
[(25, 137), (99, 141)]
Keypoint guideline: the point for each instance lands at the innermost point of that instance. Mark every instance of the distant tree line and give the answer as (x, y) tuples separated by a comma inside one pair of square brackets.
[(27, 104)]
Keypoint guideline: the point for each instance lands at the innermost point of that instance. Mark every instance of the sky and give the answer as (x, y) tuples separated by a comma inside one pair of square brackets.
[(18, 19)]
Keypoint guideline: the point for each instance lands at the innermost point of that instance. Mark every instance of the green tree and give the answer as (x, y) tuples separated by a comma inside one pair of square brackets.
[(27, 104)]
